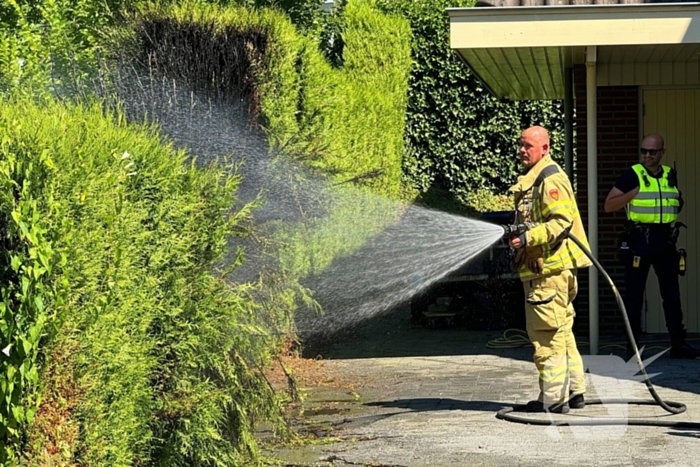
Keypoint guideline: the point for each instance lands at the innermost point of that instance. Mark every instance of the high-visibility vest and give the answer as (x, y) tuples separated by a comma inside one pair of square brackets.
[(657, 202)]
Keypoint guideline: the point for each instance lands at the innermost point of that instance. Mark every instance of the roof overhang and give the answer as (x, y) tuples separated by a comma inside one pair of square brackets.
[(524, 52)]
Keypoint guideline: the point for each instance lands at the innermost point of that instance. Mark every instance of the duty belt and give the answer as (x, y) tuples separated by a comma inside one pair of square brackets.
[(649, 228)]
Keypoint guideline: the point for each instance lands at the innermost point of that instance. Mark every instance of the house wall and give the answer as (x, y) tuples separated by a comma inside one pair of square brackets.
[(683, 73), (512, 3), (618, 140), (673, 112)]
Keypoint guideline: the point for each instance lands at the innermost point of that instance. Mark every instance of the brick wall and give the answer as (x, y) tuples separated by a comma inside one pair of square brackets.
[(618, 140)]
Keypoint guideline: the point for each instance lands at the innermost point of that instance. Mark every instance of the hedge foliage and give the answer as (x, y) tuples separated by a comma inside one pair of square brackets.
[(459, 138), (307, 15), (345, 124), (52, 43), (121, 344), (127, 347), (112, 236)]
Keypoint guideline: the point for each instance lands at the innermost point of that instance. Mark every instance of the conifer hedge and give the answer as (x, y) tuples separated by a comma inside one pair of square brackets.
[(127, 347), (122, 344), (345, 124)]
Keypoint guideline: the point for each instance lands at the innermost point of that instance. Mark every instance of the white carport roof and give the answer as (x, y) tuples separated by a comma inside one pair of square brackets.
[(527, 52), (524, 52)]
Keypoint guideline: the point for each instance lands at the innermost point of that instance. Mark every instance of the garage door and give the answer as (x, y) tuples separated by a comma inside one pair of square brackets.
[(675, 114)]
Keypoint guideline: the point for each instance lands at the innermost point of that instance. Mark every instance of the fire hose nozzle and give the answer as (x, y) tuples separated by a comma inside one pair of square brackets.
[(513, 230)]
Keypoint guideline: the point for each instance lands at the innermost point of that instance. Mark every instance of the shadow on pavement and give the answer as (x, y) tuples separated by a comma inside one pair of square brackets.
[(393, 335), (437, 403), (685, 433), (421, 405)]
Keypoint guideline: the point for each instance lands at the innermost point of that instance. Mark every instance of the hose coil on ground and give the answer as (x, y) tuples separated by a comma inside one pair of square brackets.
[(508, 413)]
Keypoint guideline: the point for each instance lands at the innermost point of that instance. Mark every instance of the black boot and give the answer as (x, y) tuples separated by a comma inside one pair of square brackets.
[(537, 406), (576, 401), (680, 348)]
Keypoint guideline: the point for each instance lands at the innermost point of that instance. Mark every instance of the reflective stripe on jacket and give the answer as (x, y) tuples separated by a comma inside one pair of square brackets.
[(657, 202), (544, 196)]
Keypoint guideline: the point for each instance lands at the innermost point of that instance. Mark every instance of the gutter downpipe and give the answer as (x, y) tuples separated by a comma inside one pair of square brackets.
[(569, 123), (592, 165)]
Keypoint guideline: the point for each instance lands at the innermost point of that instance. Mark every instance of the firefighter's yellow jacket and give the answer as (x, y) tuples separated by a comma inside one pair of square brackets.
[(545, 198)]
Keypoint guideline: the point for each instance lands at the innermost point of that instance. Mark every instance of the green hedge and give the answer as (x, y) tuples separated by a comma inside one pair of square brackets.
[(52, 44), (111, 239), (345, 124), (459, 138), (126, 347), (307, 15)]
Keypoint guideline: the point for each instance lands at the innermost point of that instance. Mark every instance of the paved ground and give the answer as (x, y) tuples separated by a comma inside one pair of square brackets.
[(428, 397)]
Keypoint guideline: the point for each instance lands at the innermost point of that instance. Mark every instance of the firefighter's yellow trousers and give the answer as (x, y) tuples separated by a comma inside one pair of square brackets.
[(549, 315)]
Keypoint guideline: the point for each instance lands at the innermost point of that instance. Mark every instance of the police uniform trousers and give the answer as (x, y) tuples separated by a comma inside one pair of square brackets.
[(549, 314), (652, 248)]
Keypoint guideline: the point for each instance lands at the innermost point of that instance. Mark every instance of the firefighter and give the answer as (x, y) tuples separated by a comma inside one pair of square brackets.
[(649, 193), (547, 260)]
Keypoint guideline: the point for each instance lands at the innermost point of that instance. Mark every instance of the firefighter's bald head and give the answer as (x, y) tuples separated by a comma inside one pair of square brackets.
[(534, 145)]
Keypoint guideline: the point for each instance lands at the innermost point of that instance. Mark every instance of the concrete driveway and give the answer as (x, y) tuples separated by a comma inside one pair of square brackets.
[(428, 397)]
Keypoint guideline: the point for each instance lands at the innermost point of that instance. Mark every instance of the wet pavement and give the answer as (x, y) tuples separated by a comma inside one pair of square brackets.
[(428, 397)]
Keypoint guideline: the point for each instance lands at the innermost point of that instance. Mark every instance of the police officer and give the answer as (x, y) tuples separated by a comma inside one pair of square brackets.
[(649, 193), (547, 261)]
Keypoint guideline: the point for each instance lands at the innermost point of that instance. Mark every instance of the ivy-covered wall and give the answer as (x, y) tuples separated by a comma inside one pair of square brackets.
[(459, 138)]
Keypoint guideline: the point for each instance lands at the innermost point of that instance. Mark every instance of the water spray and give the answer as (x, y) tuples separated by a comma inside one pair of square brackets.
[(671, 407)]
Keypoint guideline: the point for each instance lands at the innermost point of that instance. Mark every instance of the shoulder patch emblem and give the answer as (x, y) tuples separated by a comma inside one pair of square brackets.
[(554, 194)]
